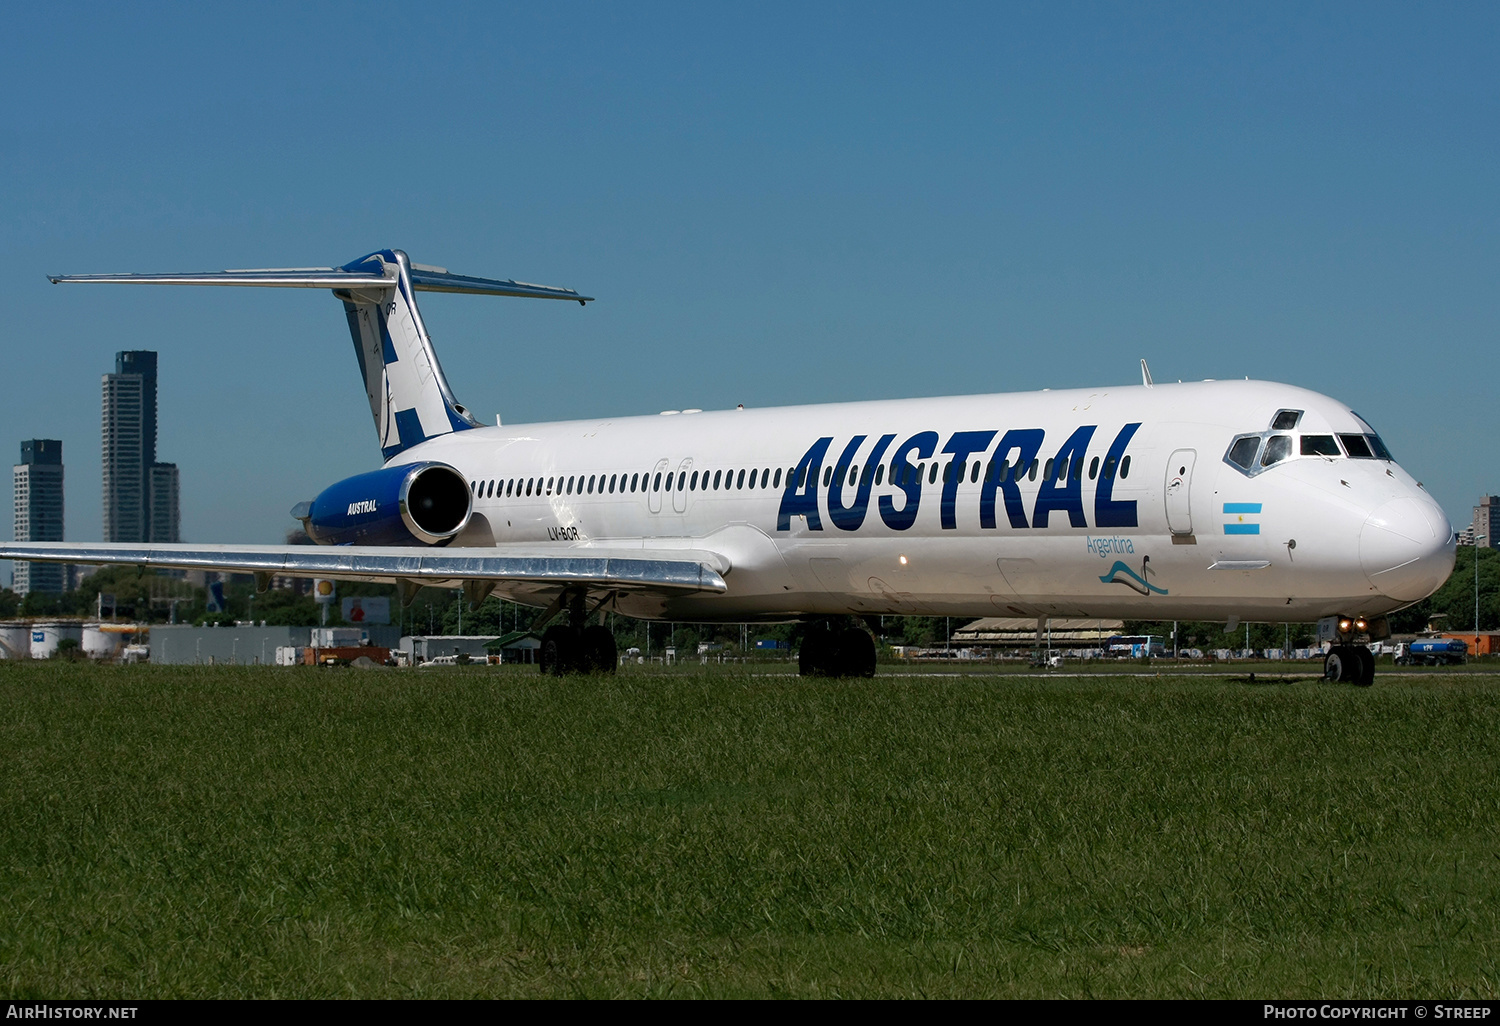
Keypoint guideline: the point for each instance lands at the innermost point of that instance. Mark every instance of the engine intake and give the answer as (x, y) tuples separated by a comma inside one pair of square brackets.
[(418, 503)]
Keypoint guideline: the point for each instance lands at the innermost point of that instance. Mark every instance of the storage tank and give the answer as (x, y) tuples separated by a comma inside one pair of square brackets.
[(45, 637), (103, 640), (15, 641)]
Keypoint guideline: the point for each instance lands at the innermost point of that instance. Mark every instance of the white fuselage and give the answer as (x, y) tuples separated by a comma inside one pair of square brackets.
[(1178, 532)]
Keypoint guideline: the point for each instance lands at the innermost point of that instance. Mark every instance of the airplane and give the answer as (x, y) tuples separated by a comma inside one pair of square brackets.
[(1215, 500)]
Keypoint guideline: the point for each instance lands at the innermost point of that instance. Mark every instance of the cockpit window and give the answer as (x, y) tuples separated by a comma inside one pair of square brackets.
[(1286, 420), (1320, 445), (1278, 448), (1357, 447), (1381, 452), (1242, 451)]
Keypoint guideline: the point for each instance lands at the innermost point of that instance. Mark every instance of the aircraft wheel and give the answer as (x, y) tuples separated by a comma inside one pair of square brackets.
[(560, 650), (818, 655), (856, 653), (599, 652), (1364, 667), (1336, 664)]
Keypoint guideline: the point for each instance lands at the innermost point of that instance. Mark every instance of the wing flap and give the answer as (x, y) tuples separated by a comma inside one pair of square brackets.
[(672, 570)]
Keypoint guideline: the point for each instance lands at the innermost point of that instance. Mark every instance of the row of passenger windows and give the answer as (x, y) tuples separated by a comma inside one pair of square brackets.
[(720, 480)]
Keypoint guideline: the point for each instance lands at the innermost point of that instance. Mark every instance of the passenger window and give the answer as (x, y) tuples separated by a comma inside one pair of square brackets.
[(932, 474), (634, 478), (1378, 447), (854, 475), (974, 473), (656, 484), (1285, 420), (880, 474), (1278, 448), (1078, 469), (1004, 471), (1242, 451), (776, 481), (1031, 473), (1109, 468), (1094, 468), (739, 482), (681, 479), (1319, 445), (1357, 447), (1047, 471), (570, 485), (1125, 468), (529, 482)]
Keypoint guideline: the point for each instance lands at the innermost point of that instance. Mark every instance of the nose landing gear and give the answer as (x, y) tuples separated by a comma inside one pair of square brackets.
[(1350, 664), (1349, 658)]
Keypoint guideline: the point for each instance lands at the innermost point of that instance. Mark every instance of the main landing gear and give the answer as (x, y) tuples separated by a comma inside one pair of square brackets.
[(831, 650), (577, 647), (570, 649)]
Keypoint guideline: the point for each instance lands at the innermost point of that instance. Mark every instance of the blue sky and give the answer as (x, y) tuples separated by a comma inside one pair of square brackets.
[(773, 204)]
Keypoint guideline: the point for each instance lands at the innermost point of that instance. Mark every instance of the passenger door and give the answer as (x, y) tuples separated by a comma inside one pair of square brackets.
[(1179, 489)]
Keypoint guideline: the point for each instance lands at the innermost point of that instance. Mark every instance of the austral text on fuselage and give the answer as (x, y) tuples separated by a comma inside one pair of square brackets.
[(850, 478)]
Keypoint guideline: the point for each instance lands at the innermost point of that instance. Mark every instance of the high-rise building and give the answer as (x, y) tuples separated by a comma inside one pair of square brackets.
[(162, 514), (1486, 519), (39, 512), (140, 494)]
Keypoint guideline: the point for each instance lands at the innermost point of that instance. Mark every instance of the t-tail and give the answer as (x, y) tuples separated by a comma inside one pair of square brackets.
[(410, 399)]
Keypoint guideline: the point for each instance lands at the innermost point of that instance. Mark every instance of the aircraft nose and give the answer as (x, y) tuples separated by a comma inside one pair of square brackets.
[(1407, 548)]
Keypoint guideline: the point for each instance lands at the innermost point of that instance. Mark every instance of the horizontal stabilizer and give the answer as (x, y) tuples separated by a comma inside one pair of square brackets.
[(424, 280), (410, 399), (623, 569)]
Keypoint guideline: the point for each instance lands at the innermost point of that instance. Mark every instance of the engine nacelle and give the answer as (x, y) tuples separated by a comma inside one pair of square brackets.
[(418, 503)]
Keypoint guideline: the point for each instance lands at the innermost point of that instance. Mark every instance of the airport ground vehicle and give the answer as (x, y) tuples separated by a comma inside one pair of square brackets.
[(1432, 652)]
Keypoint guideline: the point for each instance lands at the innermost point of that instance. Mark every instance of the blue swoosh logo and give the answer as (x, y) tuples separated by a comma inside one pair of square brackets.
[(1122, 574)]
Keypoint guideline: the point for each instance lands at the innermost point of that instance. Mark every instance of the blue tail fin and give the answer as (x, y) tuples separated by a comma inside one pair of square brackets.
[(409, 396)]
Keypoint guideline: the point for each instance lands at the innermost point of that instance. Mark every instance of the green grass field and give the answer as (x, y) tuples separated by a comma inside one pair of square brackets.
[(177, 831)]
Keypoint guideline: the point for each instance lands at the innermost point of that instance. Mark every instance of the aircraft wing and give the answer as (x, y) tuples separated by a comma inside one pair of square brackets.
[(617, 568)]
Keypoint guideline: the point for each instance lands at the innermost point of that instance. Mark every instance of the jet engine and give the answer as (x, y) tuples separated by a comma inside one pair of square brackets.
[(414, 504)]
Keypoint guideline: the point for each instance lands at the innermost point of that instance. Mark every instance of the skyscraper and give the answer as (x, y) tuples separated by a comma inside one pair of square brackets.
[(39, 512), (140, 494)]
